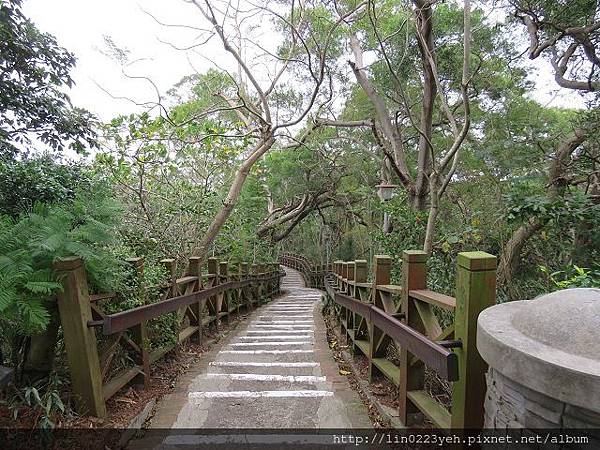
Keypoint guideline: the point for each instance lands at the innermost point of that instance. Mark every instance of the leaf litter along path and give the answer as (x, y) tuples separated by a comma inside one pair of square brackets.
[(274, 371)]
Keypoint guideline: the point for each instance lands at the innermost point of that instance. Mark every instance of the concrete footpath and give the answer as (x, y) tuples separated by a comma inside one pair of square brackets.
[(274, 371)]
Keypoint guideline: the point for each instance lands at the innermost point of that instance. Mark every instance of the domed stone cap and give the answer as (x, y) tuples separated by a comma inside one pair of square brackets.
[(550, 344)]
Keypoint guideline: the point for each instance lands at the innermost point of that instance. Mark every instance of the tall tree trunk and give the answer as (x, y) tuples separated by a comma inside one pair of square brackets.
[(509, 259), (424, 19), (434, 210), (233, 195), (511, 252)]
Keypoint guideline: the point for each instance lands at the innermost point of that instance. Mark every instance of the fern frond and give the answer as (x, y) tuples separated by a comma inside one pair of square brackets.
[(42, 287), (34, 313), (8, 296)]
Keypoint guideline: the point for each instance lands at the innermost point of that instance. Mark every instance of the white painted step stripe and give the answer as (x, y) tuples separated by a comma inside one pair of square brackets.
[(265, 352), (261, 377), (293, 306), (290, 308), (291, 332), (295, 310), (258, 394), (294, 303), (262, 364), (282, 344), (282, 321), (287, 315), (304, 327), (277, 337)]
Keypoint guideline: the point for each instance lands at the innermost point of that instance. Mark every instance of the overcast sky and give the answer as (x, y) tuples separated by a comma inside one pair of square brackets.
[(80, 26)]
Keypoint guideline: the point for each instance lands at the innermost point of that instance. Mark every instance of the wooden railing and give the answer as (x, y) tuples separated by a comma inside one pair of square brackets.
[(373, 313), (201, 300)]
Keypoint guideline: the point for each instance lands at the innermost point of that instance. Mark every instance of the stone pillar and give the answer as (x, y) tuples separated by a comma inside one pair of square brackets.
[(544, 362)]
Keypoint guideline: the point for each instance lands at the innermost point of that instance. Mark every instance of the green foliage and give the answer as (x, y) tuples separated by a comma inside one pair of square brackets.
[(572, 277), (44, 400), (38, 179), (30, 244), (569, 209), (34, 70)]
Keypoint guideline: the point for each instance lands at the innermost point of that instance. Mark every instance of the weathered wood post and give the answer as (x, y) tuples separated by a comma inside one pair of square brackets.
[(195, 270), (475, 291), (382, 266), (171, 266), (360, 270), (224, 278), (80, 340), (412, 371), (256, 291), (336, 271), (351, 318), (140, 331), (213, 302), (350, 277), (246, 291)]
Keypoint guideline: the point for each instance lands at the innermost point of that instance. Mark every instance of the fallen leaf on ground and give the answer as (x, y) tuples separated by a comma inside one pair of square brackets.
[(344, 372)]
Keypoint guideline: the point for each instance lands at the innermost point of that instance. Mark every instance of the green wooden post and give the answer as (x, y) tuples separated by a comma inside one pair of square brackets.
[(195, 270), (412, 377), (140, 331), (475, 291), (80, 340), (382, 265)]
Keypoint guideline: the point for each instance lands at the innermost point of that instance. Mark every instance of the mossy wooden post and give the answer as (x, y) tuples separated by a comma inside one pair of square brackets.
[(213, 272), (412, 373), (382, 265), (475, 291), (195, 270), (140, 331), (80, 340)]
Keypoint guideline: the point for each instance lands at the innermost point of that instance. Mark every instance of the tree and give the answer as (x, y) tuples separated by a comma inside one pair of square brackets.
[(568, 35), (298, 71), (41, 179), (34, 71)]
